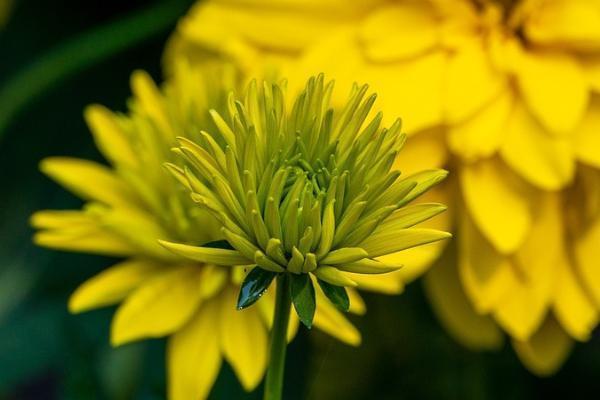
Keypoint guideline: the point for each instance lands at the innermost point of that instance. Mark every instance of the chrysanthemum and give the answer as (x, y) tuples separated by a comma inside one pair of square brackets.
[(307, 193), (505, 93), (133, 202)]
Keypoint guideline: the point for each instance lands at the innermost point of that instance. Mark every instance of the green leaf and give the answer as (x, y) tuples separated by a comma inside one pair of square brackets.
[(336, 294), (253, 287), (303, 297)]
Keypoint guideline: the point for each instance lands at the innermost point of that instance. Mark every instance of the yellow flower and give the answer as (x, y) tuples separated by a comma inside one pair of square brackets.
[(506, 95), (133, 202), (307, 195)]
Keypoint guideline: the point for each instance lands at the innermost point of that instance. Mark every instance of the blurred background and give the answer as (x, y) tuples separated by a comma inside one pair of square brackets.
[(45, 353)]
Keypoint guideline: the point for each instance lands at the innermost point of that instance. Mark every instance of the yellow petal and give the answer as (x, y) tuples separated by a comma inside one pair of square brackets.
[(273, 26), (572, 306), (77, 231), (454, 309), (194, 355), (409, 88), (486, 274), (152, 103), (333, 322), (499, 202), (159, 307), (112, 285), (544, 248), (423, 150), (243, 337), (390, 283), (545, 161), (522, 313), (525, 305), (545, 351), (586, 252), (587, 135), (418, 260), (110, 138), (565, 23), (400, 31), (481, 135), (357, 304), (555, 90), (591, 66), (140, 229), (471, 83), (88, 180)]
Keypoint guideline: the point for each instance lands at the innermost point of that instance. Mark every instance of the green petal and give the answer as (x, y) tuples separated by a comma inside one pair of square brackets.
[(344, 256), (368, 266), (206, 254), (388, 242), (425, 180), (333, 276)]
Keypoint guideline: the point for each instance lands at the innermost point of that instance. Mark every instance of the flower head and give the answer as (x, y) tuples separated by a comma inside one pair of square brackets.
[(309, 191), (133, 202), (504, 93)]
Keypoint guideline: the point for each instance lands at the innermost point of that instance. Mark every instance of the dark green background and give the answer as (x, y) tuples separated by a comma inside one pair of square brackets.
[(45, 353)]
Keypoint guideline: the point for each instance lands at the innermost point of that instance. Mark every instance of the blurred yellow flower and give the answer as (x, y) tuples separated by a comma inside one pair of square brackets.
[(503, 93), (132, 203)]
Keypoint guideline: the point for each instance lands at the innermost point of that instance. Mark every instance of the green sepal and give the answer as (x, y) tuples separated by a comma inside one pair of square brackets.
[(254, 286), (336, 294), (302, 292)]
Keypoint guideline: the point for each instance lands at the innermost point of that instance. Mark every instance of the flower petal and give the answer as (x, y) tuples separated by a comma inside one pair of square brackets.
[(75, 175), (417, 260), (77, 231), (587, 135), (545, 161), (159, 307), (112, 285), (390, 283), (109, 137), (400, 31), (413, 86), (560, 102), (151, 103), (486, 274), (471, 82), (243, 337), (586, 252), (333, 322), (206, 254), (481, 135), (573, 307), (574, 24), (454, 309), (499, 202), (423, 150), (194, 355), (546, 350)]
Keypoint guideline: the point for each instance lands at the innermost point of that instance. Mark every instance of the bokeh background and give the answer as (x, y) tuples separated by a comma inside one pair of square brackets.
[(45, 353)]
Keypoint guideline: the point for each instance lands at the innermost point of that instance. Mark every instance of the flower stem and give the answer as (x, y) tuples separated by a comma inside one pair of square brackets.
[(274, 382)]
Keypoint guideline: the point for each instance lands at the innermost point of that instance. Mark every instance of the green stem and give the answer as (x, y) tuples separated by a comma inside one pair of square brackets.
[(274, 382), (81, 52)]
